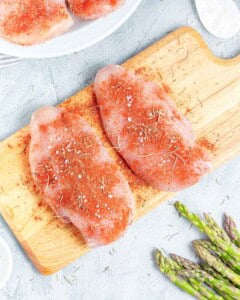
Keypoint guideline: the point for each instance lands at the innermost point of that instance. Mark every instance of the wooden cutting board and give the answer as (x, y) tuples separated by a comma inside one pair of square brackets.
[(205, 88)]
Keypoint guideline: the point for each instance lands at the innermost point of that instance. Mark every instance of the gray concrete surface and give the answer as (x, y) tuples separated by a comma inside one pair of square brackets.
[(124, 270)]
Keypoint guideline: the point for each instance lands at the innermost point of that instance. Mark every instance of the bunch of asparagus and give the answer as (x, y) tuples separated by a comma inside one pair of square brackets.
[(218, 274)]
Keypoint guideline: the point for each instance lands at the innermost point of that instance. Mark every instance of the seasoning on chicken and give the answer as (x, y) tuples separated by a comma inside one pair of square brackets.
[(93, 9), (77, 177), (156, 141), (29, 22)]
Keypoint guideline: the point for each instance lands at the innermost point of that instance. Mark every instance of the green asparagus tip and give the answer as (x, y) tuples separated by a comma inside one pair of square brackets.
[(197, 243), (158, 254), (231, 229), (184, 262), (177, 204)]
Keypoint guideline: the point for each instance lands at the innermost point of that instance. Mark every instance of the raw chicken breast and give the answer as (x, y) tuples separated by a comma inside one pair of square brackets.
[(78, 178), (29, 22), (156, 141), (93, 9)]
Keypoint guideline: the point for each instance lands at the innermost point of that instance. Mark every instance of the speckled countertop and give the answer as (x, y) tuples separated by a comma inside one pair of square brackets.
[(124, 270)]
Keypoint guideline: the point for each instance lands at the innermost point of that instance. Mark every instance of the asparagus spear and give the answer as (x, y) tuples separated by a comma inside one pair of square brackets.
[(185, 263), (228, 247), (214, 273), (218, 276), (167, 264), (228, 291), (217, 264), (209, 294), (232, 263), (231, 229), (170, 268), (214, 225), (190, 265)]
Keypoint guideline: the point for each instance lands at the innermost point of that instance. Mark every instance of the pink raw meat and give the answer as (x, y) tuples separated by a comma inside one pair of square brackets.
[(77, 177), (29, 22), (141, 121), (93, 9)]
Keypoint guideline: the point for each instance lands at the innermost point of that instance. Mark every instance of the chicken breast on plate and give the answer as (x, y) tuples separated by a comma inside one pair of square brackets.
[(93, 9), (29, 22)]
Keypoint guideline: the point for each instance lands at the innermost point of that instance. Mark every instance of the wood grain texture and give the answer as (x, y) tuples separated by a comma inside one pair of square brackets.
[(205, 88)]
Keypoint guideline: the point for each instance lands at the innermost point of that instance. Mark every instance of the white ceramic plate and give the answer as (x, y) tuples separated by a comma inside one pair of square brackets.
[(5, 263), (82, 35)]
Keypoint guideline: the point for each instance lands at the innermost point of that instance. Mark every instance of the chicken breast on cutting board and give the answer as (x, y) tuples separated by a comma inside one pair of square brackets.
[(28, 22), (93, 9), (156, 141), (77, 177)]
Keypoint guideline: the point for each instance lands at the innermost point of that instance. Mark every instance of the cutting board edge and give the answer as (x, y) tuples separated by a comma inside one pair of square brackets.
[(25, 245), (187, 29)]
